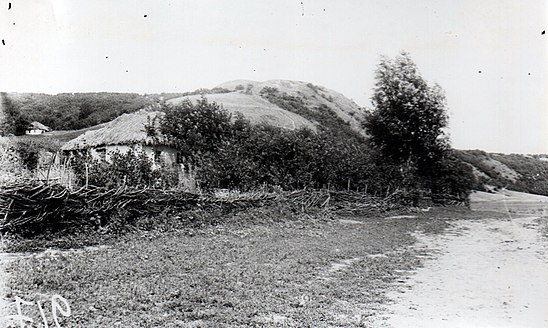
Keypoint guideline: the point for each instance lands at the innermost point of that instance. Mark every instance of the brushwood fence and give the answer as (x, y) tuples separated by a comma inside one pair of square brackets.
[(31, 208)]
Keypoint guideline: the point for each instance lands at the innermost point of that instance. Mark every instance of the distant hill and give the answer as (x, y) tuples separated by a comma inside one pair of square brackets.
[(525, 173), (287, 104), (315, 103)]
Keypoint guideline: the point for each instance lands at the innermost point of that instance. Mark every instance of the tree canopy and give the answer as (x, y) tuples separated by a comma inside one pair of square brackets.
[(409, 115), (195, 128)]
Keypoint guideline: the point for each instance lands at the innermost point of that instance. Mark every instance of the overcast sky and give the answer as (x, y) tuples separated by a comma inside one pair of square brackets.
[(489, 56)]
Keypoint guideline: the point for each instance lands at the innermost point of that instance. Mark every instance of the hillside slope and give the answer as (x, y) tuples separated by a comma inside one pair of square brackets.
[(255, 108), (317, 99), (525, 173)]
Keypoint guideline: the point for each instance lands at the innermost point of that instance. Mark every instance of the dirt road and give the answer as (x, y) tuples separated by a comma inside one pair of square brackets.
[(483, 273)]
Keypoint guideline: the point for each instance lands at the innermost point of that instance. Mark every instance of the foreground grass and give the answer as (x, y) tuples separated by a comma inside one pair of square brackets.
[(299, 271)]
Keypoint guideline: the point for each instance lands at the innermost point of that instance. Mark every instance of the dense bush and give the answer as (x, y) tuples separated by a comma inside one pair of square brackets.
[(196, 129), (132, 169), (238, 155), (452, 176), (31, 149), (266, 155)]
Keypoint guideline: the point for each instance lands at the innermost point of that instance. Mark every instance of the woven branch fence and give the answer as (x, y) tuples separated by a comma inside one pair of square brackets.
[(30, 208)]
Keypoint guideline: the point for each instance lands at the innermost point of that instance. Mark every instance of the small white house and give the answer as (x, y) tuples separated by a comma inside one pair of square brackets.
[(125, 133), (36, 128)]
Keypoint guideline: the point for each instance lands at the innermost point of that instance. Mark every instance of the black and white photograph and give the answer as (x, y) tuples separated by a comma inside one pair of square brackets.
[(292, 163)]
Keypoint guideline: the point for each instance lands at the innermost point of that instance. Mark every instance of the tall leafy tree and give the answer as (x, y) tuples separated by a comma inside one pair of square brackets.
[(409, 117)]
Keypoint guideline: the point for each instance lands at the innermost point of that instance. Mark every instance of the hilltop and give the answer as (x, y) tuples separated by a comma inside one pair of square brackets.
[(317, 99)]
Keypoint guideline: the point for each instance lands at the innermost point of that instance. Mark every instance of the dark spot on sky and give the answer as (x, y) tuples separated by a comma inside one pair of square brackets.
[(479, 72), (127, 71), (145, 16), (9, 5), (264, 49), (106, 57), (3, 42), (543, 32), (528, 73)]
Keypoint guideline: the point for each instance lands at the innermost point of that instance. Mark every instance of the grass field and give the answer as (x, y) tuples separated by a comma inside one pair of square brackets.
[(297, 271)]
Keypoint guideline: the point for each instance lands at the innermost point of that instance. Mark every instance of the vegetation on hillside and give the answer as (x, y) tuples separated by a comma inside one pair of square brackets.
[(323, 115), (239, 155), (530, 173), (67, 111)]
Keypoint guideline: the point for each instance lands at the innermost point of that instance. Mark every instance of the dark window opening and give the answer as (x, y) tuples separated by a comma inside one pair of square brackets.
[(102, 153), (179, 158), (157, 156)]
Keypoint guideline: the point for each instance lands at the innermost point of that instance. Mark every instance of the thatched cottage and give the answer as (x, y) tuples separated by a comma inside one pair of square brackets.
[(36, 128), (127, 132)]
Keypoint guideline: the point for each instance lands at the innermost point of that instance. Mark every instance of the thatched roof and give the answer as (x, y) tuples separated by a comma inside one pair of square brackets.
[(127, 129), (38, 126)]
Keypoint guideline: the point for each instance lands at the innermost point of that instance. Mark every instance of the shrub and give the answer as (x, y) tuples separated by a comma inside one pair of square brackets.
[(31, 149), (11, 168), (132, 169)]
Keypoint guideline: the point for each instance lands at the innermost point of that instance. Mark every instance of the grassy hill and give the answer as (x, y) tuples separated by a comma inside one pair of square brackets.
[(255, 108), (316, 103), (525, 173)]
